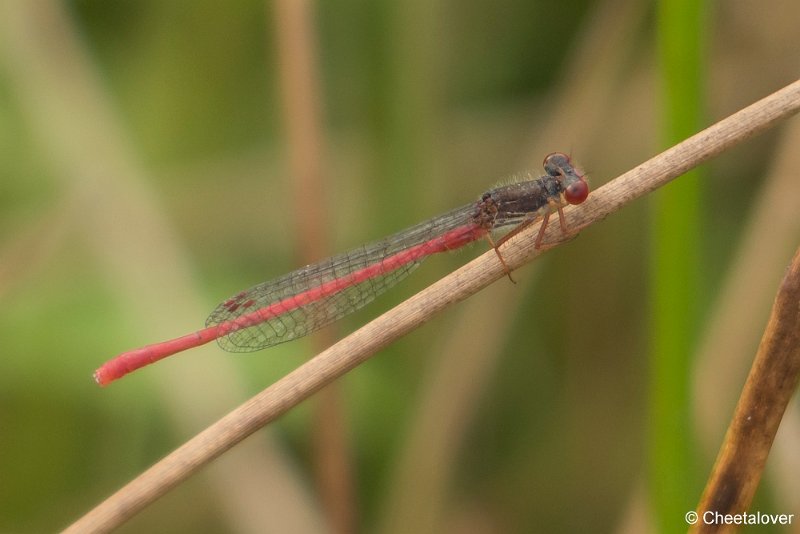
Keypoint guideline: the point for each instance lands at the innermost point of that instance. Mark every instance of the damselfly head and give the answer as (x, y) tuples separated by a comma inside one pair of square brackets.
[(555, 162), (577, 191), (558, 165)]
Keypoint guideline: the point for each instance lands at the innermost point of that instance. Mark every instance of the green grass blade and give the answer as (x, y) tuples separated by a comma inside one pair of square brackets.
[(674, 273)]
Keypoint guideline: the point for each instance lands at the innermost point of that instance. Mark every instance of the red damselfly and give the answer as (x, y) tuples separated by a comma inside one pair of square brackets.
[(307, 299)]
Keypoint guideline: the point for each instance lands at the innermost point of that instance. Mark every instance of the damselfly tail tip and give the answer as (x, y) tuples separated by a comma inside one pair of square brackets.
[(100, 378)]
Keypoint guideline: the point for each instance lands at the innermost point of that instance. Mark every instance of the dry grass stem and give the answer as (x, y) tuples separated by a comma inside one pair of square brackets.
[(772, 381), (306, 147), (362, 344)]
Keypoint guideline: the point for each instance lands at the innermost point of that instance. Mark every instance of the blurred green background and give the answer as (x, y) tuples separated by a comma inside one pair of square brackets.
[(152, 158)]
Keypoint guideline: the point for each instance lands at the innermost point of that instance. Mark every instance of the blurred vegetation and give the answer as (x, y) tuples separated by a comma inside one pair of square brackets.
[(129, 209), (676, 243)]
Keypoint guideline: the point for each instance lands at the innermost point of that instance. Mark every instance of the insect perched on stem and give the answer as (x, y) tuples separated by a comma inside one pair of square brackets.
[(307, 299)]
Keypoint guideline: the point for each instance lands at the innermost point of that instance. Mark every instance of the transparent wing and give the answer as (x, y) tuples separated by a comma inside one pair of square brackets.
[(316, 295)]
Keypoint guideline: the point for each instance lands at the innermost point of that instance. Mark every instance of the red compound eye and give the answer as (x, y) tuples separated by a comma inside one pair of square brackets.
[(577, 192)]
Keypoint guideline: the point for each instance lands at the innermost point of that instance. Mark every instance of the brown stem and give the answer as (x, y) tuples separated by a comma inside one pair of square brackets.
[(351, 351), (772, 381)]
